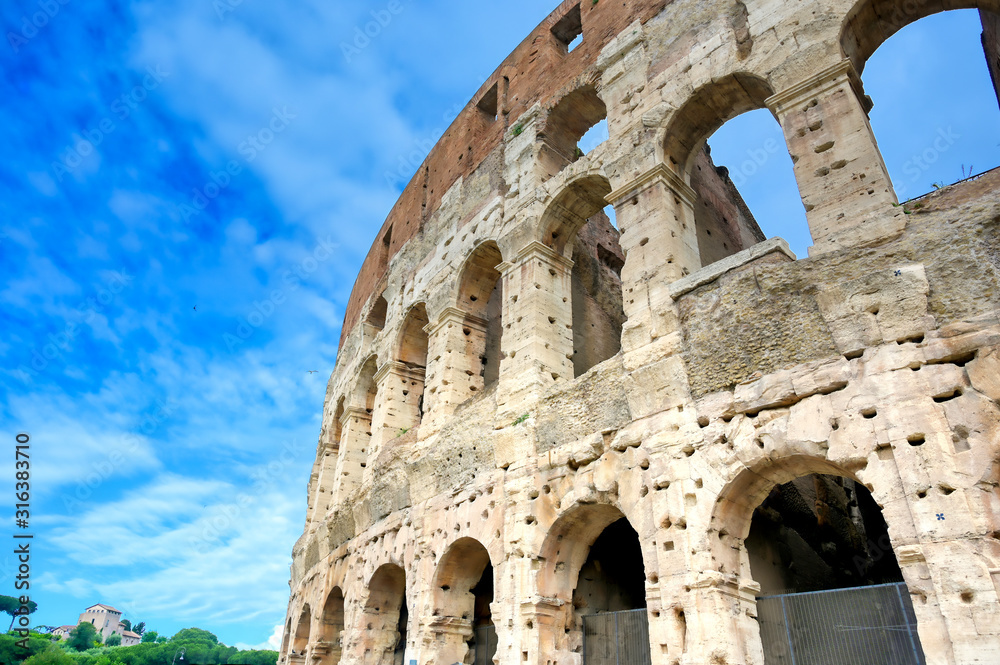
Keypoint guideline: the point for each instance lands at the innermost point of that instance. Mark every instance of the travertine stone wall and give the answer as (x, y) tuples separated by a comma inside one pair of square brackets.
[(460, 438)]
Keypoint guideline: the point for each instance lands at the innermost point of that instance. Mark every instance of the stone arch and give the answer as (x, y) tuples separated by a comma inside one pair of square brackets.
[(301, 639), (286, 638), (356, 436), (571, 208), (411, 347), (462, 591), (329, 646), (577, 574), (734, 519), (566, 123), (480, 296), (870, 23), (385, 616), (734, 508), (707, 109), (575, 226), (377, 313)]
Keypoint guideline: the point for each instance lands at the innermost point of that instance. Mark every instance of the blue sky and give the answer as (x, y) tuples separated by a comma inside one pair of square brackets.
[(187, 191)]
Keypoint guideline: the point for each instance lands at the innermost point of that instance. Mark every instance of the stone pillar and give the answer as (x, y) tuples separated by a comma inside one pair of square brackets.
[(456, 344), (842, 178), (399, 405), (448, 643), (658, 235), (356, 441), (325, 481), (538, 327), (715, 625)]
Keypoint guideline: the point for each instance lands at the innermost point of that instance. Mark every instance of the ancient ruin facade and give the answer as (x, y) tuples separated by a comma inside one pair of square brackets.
[(557, 440)]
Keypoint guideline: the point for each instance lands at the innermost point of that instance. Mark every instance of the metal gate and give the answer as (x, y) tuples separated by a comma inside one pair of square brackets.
[(873, 625), (616, 638), (484, 644)]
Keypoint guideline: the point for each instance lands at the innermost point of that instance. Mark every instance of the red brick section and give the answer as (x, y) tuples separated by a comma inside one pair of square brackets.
[(539, 70)]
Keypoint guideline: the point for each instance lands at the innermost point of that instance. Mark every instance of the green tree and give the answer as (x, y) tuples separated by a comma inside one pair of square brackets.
[(114, 640), (12, 606), (83, 637), (139, 628), (162, 639), (149, 636), (194, 635), (52, 655), (254, 658), (12, 651), (126, 624)]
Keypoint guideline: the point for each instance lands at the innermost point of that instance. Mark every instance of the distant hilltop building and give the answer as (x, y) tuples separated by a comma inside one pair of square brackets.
[(63, 631), (106, 619)]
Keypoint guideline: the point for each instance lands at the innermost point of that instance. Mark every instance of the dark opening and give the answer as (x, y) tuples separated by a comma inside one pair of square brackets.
[(598, 313), (569, 28), (483, 645), (399, 652), (376, 317), (820, 532), (489, 104), (613, 577)]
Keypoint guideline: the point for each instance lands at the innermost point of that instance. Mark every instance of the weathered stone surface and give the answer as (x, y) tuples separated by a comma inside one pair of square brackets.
[(519, 380)]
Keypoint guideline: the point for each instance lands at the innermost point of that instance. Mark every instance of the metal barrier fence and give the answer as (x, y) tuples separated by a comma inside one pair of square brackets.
[(616, 638), (873, 625), (484, 644)]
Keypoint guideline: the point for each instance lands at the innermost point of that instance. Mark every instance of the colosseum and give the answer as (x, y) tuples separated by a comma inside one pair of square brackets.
[(556, 436)]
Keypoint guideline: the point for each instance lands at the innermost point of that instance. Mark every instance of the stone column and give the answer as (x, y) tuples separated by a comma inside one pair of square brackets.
[(538, 327), (658, 235), (399, 405), (325, 481), (356, 440), (716, 627), (456, 344), (842, 178)]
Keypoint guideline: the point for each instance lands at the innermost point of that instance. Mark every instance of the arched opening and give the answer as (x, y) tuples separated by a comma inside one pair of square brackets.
[(576, 225), (376, 315), (952, 134), (329, 452), (463, 591), (356, 438), (820, 549), (737, 159), (385, 616), (301, 639), (567, 123), (481, 297), (593, 563), (330, 646), (820, 532), (286, 638), (816, 541), (761, 196), (412, 354)]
